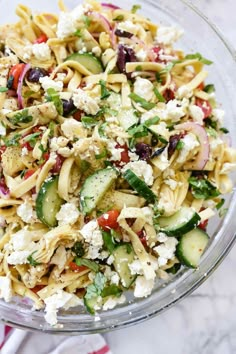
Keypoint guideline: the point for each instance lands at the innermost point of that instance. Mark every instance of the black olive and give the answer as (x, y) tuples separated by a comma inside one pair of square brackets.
[(125, 34), (174, 139), (144, 151), (125, 55), (35, 74), (68, 107)]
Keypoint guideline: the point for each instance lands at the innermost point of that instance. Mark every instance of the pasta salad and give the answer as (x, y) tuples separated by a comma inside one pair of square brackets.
[(113, 157)]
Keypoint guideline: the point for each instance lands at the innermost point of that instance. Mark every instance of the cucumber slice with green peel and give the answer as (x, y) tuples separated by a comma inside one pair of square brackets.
[(191, 246), (94, 188), (183, 221), (89, 61), (48, 202), (123, 256), (90, 304), (140, 186)]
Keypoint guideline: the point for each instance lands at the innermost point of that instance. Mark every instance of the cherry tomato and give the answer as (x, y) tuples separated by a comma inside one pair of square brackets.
[(57, 167), (15, 72), (73, 266), (2, 150), (28, 174), (77, 115), (27, 145), (156, 51), (37, 288), (205, 107), (41, 39), (201, 86), (203, 225), (142, 236), (46, 156), (124, 155), (169, 95), (108, 220), (37, 129)]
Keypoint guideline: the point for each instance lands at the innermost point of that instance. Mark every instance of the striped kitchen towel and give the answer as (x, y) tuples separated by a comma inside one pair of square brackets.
[(16, 341)]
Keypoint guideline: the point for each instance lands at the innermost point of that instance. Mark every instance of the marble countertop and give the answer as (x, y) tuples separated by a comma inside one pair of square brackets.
[(205, 322)]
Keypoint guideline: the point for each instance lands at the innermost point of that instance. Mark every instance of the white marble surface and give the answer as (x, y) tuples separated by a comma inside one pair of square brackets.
[(205, 322)]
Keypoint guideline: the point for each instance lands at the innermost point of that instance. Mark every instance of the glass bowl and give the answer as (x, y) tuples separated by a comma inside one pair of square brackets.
[(200, 36)]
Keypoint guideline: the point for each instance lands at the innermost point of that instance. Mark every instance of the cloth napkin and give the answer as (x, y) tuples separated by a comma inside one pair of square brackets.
[(17, 341)]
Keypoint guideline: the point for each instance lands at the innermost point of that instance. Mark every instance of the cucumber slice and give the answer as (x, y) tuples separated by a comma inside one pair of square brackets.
[(48, 202), (124, 255), (90, 304), (89, 61), (180, 223), (191, 246), (94, 188), (140, 186)]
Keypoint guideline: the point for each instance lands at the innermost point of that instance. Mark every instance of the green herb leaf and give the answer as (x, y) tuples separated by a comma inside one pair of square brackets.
[(78, 33), (91, 292), (84, 165), (14, 141), (220, 204), (135, 8), (105, 93), (118, 18), (158, 95), (23, 172), (224, 130), (143, 103), (180, 145), (209, 88), (21, 117), (32, 139), (28, 93), (42, 148), (99, 282), (174, 269), (210, 123), (202, 188), (151, 121), (52, 125), (101, 130), (78, 249), (53, 96), (139, 68), (32, 261), (87, 263), (212, 132), (109, 241), (138, 131), (199, 57), (89, 122), (101, 155), (111, 290), (86, 20), (167, 68), (3, 89)]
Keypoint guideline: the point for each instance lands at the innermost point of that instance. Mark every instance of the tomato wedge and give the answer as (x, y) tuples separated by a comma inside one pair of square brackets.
[(73, 266), (205, 107), (15, 74), (41, 39), (37, 288), (108, 220), (124, 155), (28, 174)]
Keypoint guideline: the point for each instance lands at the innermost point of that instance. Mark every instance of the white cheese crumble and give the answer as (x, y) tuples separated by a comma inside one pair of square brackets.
[(84, 102), (136, 267), (68, 214), (97, 51), (114, 151), (142, 169), (190, 143), (5, 288), (141, 55), (93, 236), (113, 301), (25, 212), (66, 25), (168, 35), (18, 257), (71, 128), (143, 287), (24, 151), (41, 51), (184, 91), (161, 161), (3, 130), (172, 183), (48, 83), (175, 110), (218, 114), (143, 88), (196, 113), (61, 299), (166, 250), (128, 26)]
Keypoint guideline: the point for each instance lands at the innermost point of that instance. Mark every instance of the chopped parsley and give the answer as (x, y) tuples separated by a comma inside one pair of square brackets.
[(143, 103), (32, 261), (180, 145), (118, 18), (138, 68), (78, 33), (220, 204), (152, 121), (53, 96), (199, 57), (14, 141), (209, 88), (86, 21), (109, 241), (202, 188), (94, 290), (101, 155), (78, 249), (88, 122), (87, 263), (135, 8), (21, 117), (3, 89), (224, 130), (105, 93), (42, 148), (101, 129), (31, 139), (210, 123), (111, 290)]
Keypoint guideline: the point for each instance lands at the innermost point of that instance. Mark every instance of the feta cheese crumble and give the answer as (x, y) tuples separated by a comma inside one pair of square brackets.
[(113, 301), (68, 214), (48, 83), (166, 250), (196, 113), (143, 88), (41, 51), (66, 26), (93, 236), (84, 102), (142, 169), (71, 128), (168, 35), (143, 287), (190, 143), (5, 288), (26, 213)]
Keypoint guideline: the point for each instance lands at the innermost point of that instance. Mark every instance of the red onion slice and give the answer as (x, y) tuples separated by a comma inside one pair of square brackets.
[(200, 132), (106, 25), (20, 84), (110, 6)]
